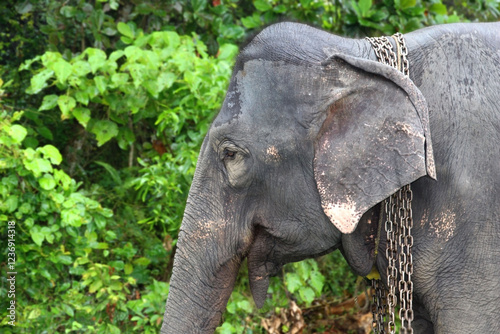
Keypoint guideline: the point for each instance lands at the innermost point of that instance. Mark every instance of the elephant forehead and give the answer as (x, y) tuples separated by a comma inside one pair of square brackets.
[(265, 86), (273, 93)]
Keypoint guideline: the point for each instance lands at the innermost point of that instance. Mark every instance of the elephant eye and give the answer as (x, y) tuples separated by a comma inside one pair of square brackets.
[(228, 154)]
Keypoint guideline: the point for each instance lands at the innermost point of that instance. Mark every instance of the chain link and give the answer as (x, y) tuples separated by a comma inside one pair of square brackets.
[(405, 196), (378, 307), (391, 254), (398, 224)]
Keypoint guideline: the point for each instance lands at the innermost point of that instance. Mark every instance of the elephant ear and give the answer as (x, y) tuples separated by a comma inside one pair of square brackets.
[(374, 139)]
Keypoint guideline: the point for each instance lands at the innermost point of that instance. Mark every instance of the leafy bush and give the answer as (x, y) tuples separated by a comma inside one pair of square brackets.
[(161, 81), (90, 268)]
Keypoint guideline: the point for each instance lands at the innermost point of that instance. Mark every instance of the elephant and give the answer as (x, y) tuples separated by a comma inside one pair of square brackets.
[(313, 134)]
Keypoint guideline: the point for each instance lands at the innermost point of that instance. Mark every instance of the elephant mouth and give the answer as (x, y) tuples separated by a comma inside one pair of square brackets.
[(264, 261)]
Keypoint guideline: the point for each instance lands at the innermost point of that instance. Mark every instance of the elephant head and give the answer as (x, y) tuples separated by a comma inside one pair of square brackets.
[(309, 138)]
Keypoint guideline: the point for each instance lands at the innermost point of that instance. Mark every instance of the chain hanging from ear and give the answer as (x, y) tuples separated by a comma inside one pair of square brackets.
[(398, 224)]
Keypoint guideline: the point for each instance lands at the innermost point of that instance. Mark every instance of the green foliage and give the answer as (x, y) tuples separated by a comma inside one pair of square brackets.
[(163, 82), (364, 17), (75, 274)]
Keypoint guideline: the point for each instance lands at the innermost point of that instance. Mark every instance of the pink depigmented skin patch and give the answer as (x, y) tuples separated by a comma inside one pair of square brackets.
[(444, 226), (343, 215), (272, 155)]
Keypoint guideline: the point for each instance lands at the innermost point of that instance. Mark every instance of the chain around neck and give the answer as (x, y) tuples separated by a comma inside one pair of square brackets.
[(398, 223)]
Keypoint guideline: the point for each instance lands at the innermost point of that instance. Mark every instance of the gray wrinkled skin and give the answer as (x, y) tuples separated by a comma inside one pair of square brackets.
[(313, 135)]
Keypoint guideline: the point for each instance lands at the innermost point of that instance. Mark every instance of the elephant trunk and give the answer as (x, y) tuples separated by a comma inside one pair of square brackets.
[(206, 264)]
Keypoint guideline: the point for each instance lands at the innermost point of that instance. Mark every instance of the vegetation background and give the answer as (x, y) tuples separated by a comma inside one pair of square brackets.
[(104, 105)]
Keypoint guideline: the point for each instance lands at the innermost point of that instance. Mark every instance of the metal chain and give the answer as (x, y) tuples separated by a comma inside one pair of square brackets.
[(391, 254), (405, 195), (378, 307), (398, 224)]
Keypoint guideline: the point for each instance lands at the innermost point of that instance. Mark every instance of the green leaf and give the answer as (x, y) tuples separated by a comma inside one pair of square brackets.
[(68, 310), (17, 133), (48, 235), (102, 245), (101, 84), (66, 104), (151, 87), (125, 30), (108, 213), (37, 235), (233, 31), (317, 281), (118, 265), (104, 131), (119, 79), (244, 305), (307, 294), (228, 52), (62, 70), (114, 4), (23, 7), (251, 22), (44, 132), (39, 81), (126, 138), (112, 172), (96, 285), (112, 329), (47, 182), (116, 285), (82, 115), (49, 102), (82, 97), (142, 261), (404, 4), (35, 313), (52, 153), (138, 73), (379, 15), (81, 68), (165, 80), (27, 64), (128, 269), (293, 282), (97, 59), (305, 3), (262, 5), (280, 9), (438, 8), (99, 221), (198, 5), (68, 11), (172, 38), (64, 259), (364, 7), (11, 203), (37, 166), (115, 55)]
